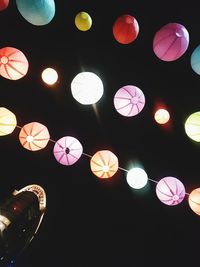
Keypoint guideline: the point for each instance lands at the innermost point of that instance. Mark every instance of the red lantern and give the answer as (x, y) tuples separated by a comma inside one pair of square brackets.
[(3, 4)]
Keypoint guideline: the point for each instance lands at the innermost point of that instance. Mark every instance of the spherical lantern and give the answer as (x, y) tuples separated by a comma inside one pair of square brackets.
[(161, 116), (34, 136), (194, 200), (83, 21), (36, 12), (87, 88), (171, 42), (49, 76), (129, 100), (195, 60), (192, 126), (170, 191), (136, 178), (67, 150), (104, 164), (125, 29), (13, 63), (3, 4), (8, 121)]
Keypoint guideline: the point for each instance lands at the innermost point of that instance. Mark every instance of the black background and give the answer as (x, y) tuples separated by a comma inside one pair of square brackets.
[(93, 222)]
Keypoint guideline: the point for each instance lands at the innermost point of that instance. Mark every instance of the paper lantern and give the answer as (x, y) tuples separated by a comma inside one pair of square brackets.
[(104, 164), (87, 88), (49, 76), (194, 200), (129, 100), (170, 191), (195, 60), (34, 136), (67, 150), (36, 12), (8, 121), (161, 116), (3, 4), (192, 126), (171, 42), (125, 29), (13, 63), (137, 178), (83, 21)]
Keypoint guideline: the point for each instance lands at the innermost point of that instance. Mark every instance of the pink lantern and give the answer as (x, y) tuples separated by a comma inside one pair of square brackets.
[(170, 191), (34, 136), (67, 150), (171, 42), (13, 63), (129, 100)]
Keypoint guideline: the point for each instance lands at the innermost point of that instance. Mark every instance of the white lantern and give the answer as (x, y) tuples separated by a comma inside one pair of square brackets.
[(136, 178)]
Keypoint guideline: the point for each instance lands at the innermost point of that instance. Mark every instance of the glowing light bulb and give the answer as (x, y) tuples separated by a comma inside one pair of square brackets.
[(49, 76), (161, 116)]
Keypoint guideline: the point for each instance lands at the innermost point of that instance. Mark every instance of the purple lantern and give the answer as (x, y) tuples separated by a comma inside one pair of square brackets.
[(129, 100), (171, 42), (67, 150), (170, 191)]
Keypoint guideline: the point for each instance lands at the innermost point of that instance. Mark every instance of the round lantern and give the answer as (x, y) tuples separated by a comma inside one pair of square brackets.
[(137, 178), (195, 60), (36, 12), (83, 21), (161, 116), (171, 42), (3, 4), (34, 136), (170, 191), (192, 126), (13, 63), (49, 76), (87, 88), (67, 150), (8, 121), (129, 100), (104, 164), (125, 29), (194, 200)]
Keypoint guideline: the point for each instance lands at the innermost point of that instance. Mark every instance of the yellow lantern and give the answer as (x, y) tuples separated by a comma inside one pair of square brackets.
[(8, 121), (192, 126), (83, 21)]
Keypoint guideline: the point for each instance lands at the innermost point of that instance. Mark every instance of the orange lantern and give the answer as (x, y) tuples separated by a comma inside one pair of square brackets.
[(104, 164), (194, 200), (8, 121), (34, 136)]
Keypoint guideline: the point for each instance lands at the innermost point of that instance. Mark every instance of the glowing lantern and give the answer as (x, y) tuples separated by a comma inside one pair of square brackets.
[(171, 42), (129, 100), (37, 12), (192, 126), (34, 136), (49, 76), (8, 121), (104, 164), (194, 200), (67, 150), (125, 29), (3, 4), (83, 21), (195, 60), (162, 116), (87, 88), (170, 191), (13, 63), (136, 178)]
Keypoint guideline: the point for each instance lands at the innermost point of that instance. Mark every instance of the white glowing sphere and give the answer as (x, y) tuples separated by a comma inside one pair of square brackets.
[(87, 88), (49, 76), (136, 178), (161, 116)]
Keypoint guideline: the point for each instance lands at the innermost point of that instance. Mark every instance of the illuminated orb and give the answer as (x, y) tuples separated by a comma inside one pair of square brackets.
[(49, 76), (192, 126), (171, 42), (104, 164), (162, 116), (34, 136), (83, 21), (67, 150), (137, 178), (194, 200), (13, 63), (8, 121), (87, 88), (170, 191), (125, 29), (195, 60), (129, 100), (3, 4)]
